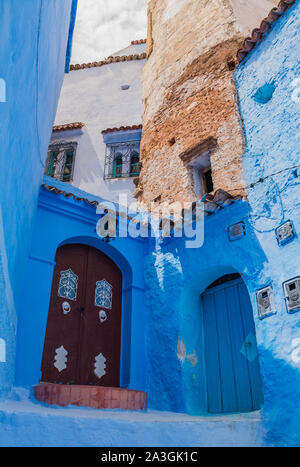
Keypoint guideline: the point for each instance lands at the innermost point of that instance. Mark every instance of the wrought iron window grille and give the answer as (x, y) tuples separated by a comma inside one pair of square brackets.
[(122, 160), (61, 160)]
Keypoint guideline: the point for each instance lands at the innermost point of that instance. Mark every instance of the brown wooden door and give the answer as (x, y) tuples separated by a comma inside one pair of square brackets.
[(83, 335)]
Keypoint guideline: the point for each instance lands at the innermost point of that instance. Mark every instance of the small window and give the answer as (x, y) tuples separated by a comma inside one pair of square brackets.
[(203, 180), (134, 165), (122, 160), (60, 163), (200, 171)]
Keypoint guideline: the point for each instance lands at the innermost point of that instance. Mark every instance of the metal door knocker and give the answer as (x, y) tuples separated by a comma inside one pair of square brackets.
[(66, 307), (102, 316)]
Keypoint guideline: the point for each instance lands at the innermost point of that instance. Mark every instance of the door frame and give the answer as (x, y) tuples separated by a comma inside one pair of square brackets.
[(218, 287)]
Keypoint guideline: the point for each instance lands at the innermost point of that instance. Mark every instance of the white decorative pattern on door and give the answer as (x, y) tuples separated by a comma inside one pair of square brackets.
[(60, 359), (100, 366), (68, 285), (103, 294)]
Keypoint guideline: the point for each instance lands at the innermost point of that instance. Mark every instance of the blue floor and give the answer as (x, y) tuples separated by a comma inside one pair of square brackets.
[(24, 422)]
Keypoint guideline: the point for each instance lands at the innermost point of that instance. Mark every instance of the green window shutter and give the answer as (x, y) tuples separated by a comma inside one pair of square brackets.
[(52, 163), (68, 169), (118, 166), (134, 162)]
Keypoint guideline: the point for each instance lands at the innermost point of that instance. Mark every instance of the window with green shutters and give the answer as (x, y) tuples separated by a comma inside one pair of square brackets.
[(122, 160), (60, 162)]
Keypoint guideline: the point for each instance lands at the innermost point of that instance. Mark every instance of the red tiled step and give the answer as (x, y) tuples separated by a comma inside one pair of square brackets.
[(90, 396)]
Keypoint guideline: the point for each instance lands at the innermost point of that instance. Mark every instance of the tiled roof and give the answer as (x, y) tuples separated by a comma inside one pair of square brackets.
[(56, 190), (266, 25), (212, 202), (69, 194), (68, 126), (141, 41), (123, 128), (107, 61)]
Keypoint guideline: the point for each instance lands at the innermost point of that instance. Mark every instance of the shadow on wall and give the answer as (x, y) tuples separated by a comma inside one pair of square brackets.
[(90, 167), (87, 163), (163, 274), (281, 414)]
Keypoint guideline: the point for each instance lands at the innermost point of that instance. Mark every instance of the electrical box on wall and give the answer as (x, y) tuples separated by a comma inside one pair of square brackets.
[(285, 233), (292, 294), (265, 302), (236, 231)]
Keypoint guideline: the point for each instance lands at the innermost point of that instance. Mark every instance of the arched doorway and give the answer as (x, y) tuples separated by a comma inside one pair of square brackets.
[(232, 368), (83, 335)]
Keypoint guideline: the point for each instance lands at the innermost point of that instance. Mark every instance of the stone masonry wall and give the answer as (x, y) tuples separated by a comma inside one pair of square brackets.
[(189, 95)]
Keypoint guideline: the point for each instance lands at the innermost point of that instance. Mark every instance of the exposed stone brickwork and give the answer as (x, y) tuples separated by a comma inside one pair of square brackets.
[(189, 95)]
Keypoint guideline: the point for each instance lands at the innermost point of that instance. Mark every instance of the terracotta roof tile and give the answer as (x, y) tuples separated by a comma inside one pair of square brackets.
[(266, 25), (123, 128), (69, 194), (68, 126), (107, 61), (53, 189), (212, 202), (141, 41)]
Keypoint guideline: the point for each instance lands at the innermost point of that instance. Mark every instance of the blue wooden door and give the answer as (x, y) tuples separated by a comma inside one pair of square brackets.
[(232, 366)]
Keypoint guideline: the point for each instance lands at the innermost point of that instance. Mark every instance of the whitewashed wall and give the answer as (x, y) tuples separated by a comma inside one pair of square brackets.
[(94, 97)]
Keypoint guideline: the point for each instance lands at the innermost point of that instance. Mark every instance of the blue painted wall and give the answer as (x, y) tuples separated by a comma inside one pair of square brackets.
[(34, 36), (272, 132)]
